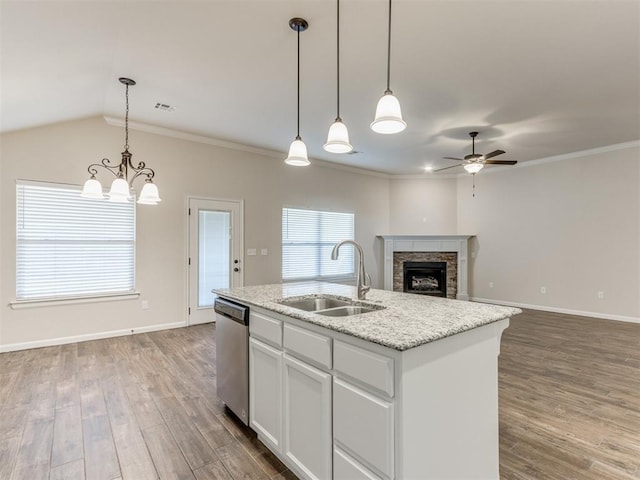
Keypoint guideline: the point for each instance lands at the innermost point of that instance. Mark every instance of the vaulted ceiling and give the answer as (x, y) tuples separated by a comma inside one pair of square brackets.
[(536, 78)]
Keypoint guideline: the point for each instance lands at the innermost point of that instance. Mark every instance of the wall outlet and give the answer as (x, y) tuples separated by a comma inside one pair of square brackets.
[(543, 290), (490, 284), (251, 251), (601, 295), (264, 251), (144, 304)]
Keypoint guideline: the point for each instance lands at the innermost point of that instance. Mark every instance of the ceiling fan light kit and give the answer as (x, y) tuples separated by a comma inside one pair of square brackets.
[(298, 150), (474, 162), (473, 168), (121, 186)]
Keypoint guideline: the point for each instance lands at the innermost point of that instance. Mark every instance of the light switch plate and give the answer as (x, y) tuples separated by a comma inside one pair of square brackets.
[(264, 251), (251, 251)]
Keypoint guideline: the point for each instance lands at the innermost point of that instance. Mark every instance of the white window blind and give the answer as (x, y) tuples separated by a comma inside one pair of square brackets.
[(69, 246), (308, 236)]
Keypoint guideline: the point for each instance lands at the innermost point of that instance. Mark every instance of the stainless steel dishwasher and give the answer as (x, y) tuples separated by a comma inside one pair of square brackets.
[(232, 356)]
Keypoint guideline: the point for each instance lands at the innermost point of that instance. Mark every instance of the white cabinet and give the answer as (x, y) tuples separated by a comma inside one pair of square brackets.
[(290, 394), (363, 427), (265, 392), (307, 418)]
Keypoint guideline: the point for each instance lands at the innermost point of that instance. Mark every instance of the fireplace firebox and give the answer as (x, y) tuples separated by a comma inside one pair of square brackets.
[(425, 278)]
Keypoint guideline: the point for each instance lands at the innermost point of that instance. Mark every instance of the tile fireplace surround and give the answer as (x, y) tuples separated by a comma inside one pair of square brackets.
[(428, 243)]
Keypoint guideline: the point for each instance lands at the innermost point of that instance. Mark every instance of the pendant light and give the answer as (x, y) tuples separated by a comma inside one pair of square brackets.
[(388, 115), (338, 138), (298, 150), (121, 186)]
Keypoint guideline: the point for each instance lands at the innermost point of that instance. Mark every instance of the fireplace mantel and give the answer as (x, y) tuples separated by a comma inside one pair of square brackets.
[(428, 243)]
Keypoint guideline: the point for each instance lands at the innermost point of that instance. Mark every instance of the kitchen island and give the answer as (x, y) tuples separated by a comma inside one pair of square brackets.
[(407, 390)]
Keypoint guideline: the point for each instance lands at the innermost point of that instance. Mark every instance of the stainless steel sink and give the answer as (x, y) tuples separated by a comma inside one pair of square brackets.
[(313, 304), (346, 311), (330, 306)]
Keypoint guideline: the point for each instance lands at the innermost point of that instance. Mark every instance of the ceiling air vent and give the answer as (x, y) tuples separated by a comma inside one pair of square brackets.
[(164, 107)]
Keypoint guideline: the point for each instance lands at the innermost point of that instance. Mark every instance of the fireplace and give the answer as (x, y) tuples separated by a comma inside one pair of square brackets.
[(452, 249), (425, 278)]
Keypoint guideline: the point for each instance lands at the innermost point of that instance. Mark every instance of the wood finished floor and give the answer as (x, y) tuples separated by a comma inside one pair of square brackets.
[(145, 407)]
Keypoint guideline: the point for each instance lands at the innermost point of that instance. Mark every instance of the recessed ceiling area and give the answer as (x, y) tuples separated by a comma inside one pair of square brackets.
[(536, 78)]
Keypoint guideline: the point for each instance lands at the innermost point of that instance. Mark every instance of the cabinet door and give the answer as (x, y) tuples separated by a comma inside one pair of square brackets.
[(363, 427), (307, 418), (265, 392)]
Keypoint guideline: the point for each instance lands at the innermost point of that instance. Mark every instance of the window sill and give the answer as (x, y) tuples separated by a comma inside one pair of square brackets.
[(50, 302)]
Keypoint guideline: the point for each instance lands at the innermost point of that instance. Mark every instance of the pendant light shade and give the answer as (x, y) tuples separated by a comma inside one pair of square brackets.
[(297, 154), (338, 137), (473, 168), (92, 189), (388, 117), (298, 150)]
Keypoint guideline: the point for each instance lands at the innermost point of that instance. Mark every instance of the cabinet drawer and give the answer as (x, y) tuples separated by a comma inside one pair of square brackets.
[(363, 427), (308, 345), (371, 369), (266, 328), (346, 468)]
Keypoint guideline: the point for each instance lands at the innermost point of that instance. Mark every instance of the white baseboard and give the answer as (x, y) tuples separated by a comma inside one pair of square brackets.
[(11, 347), (568, 311)]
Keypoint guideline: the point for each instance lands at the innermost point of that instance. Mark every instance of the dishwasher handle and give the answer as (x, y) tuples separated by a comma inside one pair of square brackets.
[(233, 311)]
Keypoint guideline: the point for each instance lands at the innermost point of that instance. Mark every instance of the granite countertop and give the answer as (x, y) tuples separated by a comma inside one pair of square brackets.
[(407, 321)]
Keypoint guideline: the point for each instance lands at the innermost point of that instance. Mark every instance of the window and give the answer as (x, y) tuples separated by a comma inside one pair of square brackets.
[(308, 236), (69, 246)]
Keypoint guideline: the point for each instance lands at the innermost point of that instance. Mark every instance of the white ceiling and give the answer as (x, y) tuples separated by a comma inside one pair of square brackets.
[(536, 78)]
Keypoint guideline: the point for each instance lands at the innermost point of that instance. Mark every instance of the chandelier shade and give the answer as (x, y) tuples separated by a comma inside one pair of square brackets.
[(92, 189), (119, 192), (149, 194)]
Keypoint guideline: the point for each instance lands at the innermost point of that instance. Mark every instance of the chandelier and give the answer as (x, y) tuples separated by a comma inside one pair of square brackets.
[(125, 172)]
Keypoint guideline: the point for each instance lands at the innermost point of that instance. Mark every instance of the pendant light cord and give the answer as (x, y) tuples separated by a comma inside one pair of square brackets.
[(298, 135), (338, 60), (389, 53), (126, 120)]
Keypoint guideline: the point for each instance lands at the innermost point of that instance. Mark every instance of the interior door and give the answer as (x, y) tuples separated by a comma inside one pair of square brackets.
[(215, 253)]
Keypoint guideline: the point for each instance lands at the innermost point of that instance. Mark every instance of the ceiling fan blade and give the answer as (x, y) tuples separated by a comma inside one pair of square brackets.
[(454, 158), (495, 153), (446, 168), (501, 162)]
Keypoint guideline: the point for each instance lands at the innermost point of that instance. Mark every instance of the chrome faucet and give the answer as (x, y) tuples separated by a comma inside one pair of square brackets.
[(363, 280)]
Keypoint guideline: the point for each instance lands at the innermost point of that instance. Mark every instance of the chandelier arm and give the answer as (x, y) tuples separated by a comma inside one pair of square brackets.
[(144, 171), (113, 169), (140, 166)]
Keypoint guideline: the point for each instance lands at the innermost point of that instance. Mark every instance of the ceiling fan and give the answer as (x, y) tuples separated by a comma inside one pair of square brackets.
[(474, 162)]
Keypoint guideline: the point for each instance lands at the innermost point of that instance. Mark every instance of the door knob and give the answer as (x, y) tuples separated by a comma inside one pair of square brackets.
[(236, 269)]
